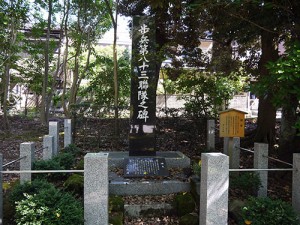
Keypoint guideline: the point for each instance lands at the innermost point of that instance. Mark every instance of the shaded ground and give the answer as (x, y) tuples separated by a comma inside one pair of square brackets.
[(173, 134)]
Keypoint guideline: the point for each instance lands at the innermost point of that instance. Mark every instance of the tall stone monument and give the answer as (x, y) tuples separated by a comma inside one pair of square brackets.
[(143, 88), (142, 159)]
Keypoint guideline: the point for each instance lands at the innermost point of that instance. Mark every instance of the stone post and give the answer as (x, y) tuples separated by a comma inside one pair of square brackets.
[(296, 183), (210, 135), (234, 161), (261, 162), (54, 131), (96, 189), (26, 150), (232, 149), (48, 144), (214, 189), (225, 145), (67, 132), (1, 190)]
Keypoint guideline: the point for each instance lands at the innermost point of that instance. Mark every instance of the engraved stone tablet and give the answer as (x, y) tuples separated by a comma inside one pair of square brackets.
[(142, 167)]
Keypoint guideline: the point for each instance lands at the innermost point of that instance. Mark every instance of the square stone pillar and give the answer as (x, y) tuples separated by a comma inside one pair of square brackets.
[(26, 150), (261, 162), (67, 132), (96, 189), (210, 145), (214, 189), (48, 144), (54, 131)]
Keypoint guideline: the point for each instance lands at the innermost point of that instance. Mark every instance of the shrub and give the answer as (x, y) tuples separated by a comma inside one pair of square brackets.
[(16, 194), (265, 211), (75, 184), (49, 207), (65, 160), (73, 149), (184, 203), (246, 181), (47, 165)]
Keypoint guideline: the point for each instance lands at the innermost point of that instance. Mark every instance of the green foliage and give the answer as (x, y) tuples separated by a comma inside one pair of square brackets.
[(206, 93), (265, 211), (65, 160), (16, 194), (100, 90), (247, 182), (74, 184), (47, 165), (285, 79), (48, 207), (62, 161), (73, 149), (189, 219), (196, 167), (116, 203)]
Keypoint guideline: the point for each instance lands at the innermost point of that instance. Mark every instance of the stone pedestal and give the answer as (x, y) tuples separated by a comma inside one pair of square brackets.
[(96, 189)]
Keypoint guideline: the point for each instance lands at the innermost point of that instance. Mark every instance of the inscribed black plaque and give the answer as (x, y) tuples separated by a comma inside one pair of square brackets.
[(143, 88), (141, 167)]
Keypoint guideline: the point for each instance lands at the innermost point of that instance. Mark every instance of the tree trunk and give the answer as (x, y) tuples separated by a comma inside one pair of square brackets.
[(5, 97), (266, 111), (116, 83), (44, 108)]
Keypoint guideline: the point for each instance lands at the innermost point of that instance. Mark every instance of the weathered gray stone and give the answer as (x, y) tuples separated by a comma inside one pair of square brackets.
[(261, 162), (96, 189), (157, 209), (214, 189), (210, 135), (54, 131), (48, 145), (123, 187), (232, 149), (27, 151), (67, 132)]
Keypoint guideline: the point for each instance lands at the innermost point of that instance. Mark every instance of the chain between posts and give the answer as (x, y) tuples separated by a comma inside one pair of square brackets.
[(245, 149), (41, 149), (16, 160)]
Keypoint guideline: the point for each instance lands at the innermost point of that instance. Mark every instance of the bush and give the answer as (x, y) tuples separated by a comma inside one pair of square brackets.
[(184, 203), (73, 149), (16, 194), (75, 184), (247, 182), (47, 165), (65, 160), (265, 211), (48, 206)]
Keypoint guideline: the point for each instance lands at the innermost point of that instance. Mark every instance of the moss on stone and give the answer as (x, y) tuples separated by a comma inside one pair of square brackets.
[(75, 184), (184, 203), (116, 218)]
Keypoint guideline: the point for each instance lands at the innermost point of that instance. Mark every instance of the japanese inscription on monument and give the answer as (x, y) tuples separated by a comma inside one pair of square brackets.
[(143, 88)]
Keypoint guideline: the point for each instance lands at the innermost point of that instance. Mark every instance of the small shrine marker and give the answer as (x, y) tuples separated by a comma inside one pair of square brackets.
[(232, 124)]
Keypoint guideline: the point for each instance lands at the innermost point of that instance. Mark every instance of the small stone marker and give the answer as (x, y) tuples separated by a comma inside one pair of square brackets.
[(141, 167)]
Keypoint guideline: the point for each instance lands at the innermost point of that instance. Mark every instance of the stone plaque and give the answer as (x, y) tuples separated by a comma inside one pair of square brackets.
[(143, 88), (142, 167)]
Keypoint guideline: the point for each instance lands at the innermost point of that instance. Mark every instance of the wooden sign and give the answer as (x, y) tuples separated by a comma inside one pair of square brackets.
[(232, 123)]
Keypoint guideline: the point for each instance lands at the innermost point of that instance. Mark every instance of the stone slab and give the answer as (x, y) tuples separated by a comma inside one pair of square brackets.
[(174, 159), (123, 187), (158, 209)]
